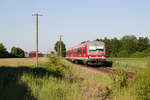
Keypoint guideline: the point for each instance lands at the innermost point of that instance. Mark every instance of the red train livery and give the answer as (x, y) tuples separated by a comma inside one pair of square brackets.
[(91, 53)]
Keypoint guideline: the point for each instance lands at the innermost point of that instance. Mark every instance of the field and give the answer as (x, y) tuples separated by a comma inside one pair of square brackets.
[(54, 79), (57, 79), (21, 61), (131, 64)]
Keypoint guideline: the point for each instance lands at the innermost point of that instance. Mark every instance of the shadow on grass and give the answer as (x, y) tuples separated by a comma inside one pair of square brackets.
[(13, 89)]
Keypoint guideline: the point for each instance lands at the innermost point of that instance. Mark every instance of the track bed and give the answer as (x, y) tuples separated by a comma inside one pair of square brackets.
[(105, 70)]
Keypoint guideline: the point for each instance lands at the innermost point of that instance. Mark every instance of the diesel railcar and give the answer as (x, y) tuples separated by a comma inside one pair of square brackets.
[(90, 53)]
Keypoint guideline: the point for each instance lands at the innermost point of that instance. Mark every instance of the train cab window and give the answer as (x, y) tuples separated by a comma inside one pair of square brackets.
[(96, 50)]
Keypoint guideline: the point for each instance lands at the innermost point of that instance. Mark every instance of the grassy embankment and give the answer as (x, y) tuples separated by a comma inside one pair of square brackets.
[(54, 79), (123, 88)]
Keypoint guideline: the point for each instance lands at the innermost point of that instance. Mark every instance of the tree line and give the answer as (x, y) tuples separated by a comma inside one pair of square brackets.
[(15, 52), (127, 46)]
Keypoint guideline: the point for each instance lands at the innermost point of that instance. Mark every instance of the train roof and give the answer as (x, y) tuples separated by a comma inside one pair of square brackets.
[(89, 42), (96, 42)]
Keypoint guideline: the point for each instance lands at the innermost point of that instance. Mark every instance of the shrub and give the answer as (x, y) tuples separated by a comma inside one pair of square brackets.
[(119, 83), (120, 80), (17, 52), (138, 54), (3, 52), (136, 89), (58, 65), (123, 53), (142, 85)]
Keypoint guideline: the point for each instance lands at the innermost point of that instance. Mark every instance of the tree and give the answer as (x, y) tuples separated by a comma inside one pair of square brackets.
[(115, 47), (123, 53), (129, 44), (143, 43), (63, 48), (17, 52), (3, 52)]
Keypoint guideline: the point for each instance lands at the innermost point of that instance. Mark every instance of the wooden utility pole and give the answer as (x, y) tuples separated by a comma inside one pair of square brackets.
[(36, 14), (60, 50)]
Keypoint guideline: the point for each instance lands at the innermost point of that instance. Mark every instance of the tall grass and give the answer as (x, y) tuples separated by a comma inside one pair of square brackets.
[(60, 85), (53, 80), (136, 89), (51, 88)]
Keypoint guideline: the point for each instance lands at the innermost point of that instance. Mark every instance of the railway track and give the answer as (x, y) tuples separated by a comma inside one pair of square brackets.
[(106, 70)]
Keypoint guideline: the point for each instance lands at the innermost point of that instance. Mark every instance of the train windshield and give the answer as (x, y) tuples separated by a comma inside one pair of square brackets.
[(95, 50)]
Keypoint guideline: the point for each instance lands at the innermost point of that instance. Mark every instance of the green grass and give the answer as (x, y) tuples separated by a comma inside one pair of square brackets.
[(50, 88), (56, 79), (131, 64), (136, 89)]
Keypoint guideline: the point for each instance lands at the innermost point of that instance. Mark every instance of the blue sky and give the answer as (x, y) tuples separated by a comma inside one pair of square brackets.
[(76, 20)]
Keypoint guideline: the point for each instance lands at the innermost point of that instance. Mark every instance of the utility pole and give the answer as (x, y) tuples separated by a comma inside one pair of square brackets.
[(60, 51), (36, 14)]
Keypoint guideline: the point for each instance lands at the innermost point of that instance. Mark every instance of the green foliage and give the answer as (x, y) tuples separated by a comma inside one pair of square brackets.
[(137, 88), (143, 43), (129, 43), (58, 65), (50, 88), (11, 88), (123, 53), (53, 81), (147, 51), (138, 55), (127, 46), (115, 44), (3, 52), (17, 52), (63, 48), (120, 80)]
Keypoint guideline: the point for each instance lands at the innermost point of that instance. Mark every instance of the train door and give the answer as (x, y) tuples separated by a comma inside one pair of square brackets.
[(81, 51), (84, 51)]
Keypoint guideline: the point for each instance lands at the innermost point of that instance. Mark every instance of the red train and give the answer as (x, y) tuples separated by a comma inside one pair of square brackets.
[(90, 53), (32, 54)]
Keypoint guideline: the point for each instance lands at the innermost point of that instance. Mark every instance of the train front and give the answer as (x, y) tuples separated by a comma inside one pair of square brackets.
[(96, 53)]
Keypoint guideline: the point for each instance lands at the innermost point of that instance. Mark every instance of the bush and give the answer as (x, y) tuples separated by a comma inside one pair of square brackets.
[(119, 81), (60, 67), (3, 52), (136, 89), (17, 52), (138, 55), (123, 53), (142, 85)]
